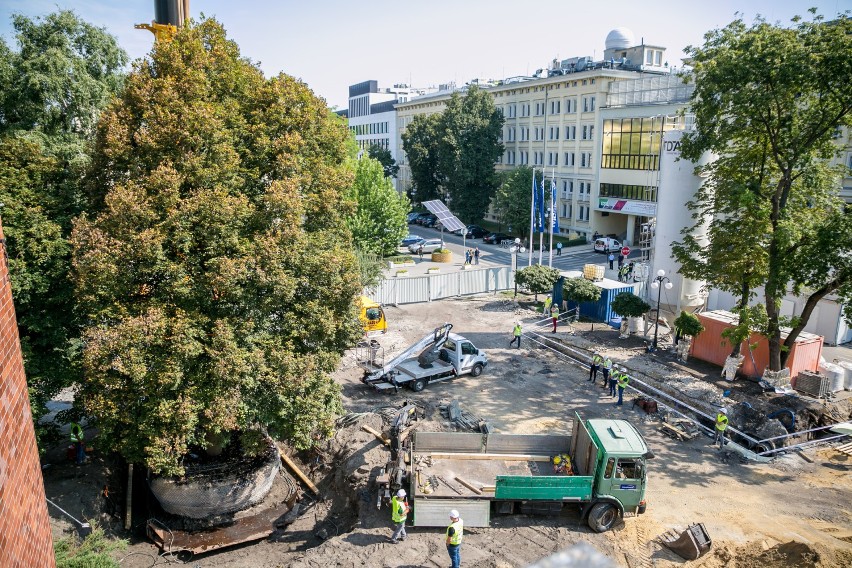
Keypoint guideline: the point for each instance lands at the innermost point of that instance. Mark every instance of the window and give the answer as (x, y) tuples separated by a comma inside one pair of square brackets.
[(649, 57), (658, 58), (553, 158), (469, 349), (624, 191), (555, 107), (580, 212), (570, 133), (569, 158), (570, 105), (633, 144), (610, 467), (628, 469), (582, 187)]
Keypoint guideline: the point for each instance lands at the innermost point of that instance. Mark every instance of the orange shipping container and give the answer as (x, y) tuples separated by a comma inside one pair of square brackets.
[(710, 346)]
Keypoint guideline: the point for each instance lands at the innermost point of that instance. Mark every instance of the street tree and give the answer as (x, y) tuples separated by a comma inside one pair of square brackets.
[(379, 222), (468, 149), (628, 304), (513, 200), (52, 89), (579, 290), (537, 278), (383, 155), (217, 285), (769, 101), (420, 142)]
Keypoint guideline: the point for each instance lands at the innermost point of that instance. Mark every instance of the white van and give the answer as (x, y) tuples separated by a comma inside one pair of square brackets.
[(606, 244)]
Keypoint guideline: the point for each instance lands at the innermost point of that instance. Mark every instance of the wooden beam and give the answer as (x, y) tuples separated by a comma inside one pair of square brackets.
[(376, 433), (289, 463), (469, 485), (501, 457)]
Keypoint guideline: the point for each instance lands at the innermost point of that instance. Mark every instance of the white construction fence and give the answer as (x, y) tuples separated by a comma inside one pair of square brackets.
[(414, 289)]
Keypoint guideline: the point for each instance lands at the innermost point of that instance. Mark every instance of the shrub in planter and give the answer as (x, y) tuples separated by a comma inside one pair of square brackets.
[(442, 255), (401, 273)]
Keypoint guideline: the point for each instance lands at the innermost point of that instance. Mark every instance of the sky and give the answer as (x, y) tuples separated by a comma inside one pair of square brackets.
[(331, 44)]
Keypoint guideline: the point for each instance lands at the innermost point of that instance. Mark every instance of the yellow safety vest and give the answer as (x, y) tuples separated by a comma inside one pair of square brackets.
[(517, 331), (547, 303), (596, 360), (554, 312), (623, 379), (77, 434), (607, 363), (458, 527), (398, 514), (721, 422)]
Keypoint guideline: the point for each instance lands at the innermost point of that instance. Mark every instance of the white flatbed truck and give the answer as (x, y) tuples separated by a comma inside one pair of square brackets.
[(438, 356)]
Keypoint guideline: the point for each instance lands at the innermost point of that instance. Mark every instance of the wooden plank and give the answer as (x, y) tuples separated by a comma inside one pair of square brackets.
[(489, 488), (469, 485), (289, 463), (376, 433), (804, 457), (499, 457)]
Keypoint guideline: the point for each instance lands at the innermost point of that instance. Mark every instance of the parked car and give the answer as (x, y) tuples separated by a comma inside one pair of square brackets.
[(418, 220), (475, 232), (496, 238), (413, 216), (410, 240), (429, 221), (607, 244), (429, 245)]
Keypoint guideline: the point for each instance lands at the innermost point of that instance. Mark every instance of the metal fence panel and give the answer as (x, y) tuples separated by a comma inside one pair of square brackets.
[(414, 289), (447, 441), (550, 444)]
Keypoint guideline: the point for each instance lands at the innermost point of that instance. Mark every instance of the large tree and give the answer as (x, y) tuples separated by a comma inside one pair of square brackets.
[(420, 142), (513, 200), (468, 149), (52, 89), (769, 101), (379, 222), (217, 285)]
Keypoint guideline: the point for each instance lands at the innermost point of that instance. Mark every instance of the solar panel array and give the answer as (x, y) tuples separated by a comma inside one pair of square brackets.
[(449, 221)]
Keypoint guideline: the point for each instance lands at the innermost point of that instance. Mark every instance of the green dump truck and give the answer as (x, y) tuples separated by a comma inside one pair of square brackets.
[(481, 474)]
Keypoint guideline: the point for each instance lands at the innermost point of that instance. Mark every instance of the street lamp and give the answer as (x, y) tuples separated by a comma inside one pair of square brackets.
[(515, 249), (659, 279)]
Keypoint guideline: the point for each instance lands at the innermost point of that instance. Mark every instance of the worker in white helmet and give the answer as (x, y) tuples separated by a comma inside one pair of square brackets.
[(454, 538), (721, 426), (399, 514)]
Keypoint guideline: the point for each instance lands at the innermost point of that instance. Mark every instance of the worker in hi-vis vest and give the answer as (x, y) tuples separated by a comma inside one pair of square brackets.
[(607, 367), (454, 538), (399, 513), (596, 364), (78, 438), (516, 334), (721, 426), (623, 380)]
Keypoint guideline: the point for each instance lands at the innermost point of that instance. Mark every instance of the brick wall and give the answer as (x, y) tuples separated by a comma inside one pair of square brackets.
[(25, 538)]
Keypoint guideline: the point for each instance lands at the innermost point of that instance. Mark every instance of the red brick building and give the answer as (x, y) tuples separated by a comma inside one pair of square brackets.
[(25, 538)]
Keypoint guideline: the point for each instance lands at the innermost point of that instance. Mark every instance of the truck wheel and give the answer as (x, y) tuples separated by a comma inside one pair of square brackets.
[(602, 517), (418, 385), (477, 370)]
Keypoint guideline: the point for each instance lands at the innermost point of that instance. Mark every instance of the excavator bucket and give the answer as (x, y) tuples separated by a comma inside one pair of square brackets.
[(691, 544)]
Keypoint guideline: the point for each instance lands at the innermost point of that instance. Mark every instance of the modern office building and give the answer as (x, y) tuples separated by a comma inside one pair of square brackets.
[(372, 117)]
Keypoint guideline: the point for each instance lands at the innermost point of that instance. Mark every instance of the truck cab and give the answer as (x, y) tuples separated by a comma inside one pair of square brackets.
[(621, 474), (372, 317)]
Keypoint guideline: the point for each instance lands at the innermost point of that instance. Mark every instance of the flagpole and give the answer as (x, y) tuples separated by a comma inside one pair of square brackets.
[(540, 191), (552, 215), (532, 217)]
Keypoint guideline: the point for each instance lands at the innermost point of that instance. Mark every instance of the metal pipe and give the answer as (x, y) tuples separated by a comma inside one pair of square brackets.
[(802, 445), (790, 435)]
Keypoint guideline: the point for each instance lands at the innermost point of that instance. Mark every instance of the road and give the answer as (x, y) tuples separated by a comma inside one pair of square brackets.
[(490, 255)]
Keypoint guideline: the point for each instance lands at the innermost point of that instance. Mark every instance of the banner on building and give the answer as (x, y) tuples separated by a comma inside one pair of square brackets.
[(644, 208)]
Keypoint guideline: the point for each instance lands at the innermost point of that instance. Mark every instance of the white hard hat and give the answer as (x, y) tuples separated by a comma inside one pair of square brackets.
[(454, 514), (723, 410), (400, 493), (518, 322)]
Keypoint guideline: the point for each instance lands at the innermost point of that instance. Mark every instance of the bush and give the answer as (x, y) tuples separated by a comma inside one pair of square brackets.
[(93, 552), (688, 324), (537, 278), (629, 305)]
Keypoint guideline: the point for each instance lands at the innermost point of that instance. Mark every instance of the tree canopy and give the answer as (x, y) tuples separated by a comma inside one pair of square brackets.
[(52, 89), (629, 305), (769, 102), (537, 278), (513, 200), (217, 285), (580, 290), (379, 222), (452, 154), (384, 157)]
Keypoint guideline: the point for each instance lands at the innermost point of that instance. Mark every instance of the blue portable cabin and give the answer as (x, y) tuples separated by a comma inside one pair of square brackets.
[(600, 310)]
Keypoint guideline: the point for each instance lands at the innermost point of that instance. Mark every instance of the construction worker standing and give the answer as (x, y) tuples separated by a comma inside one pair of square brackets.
[(547, 302), (613, 379), (721, 426), (554, 315), (399, 513), (607, 367), (596, 364), (78, 438), (516, 334), (623, 380), (454, 538)]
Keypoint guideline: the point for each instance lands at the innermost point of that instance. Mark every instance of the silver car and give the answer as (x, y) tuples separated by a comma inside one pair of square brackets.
[(429, 245)]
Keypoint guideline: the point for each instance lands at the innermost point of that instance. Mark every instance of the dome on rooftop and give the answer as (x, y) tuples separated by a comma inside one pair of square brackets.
[(620, 38)]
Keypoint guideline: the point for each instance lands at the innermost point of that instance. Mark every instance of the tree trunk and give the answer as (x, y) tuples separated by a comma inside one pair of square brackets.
[(805, 316), (773, 334), (735, 352)]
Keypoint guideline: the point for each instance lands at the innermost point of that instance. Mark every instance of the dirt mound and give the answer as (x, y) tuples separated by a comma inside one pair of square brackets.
[(783, 555)]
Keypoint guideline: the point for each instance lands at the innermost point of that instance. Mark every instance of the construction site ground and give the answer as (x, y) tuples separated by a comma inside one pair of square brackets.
[(795, 511)]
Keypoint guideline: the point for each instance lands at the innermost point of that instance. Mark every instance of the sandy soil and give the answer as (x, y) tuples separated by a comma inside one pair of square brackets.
[(790, 512)]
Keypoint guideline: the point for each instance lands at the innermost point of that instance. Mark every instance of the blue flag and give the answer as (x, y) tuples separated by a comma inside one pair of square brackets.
[(539, 192), (555, 221)]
